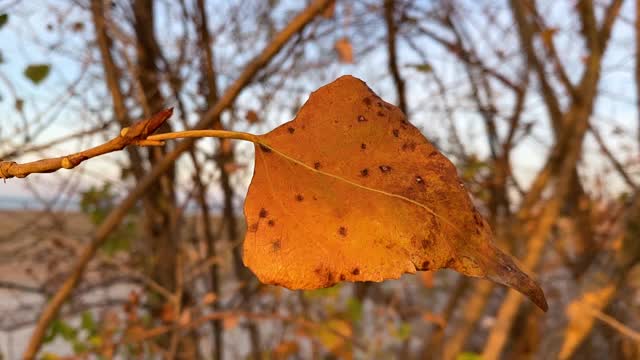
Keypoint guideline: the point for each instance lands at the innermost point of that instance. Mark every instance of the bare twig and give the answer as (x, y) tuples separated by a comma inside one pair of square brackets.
[(614, 161), (52, 143), (617, 325), (389, 17), (134, 135)]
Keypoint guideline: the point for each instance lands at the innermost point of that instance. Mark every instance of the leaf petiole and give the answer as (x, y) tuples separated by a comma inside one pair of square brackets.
[(222, 134)]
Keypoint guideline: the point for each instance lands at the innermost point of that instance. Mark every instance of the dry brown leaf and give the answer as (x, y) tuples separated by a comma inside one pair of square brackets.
[(334, 335), (185, 318), (135, 333), (209, 298), (230, 322), (351, 191), (168, 312), (252, 117), (345, 50)]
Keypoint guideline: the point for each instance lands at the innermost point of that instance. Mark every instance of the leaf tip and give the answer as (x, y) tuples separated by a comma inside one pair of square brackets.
[(506, 272)]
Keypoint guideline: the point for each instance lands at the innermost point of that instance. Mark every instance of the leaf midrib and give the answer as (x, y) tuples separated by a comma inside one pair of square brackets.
[(260, 141)]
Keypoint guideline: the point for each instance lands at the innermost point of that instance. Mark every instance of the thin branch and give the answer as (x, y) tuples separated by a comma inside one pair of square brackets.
[(616, 164), (41, 147), (134, 135), (389, 6), (617, 325)]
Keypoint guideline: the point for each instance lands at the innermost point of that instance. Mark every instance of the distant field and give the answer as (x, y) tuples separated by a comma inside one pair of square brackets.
[(8, 202)]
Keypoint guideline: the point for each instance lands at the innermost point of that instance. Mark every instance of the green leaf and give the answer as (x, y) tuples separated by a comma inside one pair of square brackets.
[(79, 347), (50, 356), (52, 332), (37, 72), (95, 341), (425, 68), (403, 332), (88, 323), (4, 18), (328, 334), (354, 309), (117, 243), (468, 356), (330, 292), (67, 332)]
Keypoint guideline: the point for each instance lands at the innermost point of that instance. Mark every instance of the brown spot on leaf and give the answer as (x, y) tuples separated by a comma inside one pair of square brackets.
[(409, 146), (263, 213), (275, 246), (342, 231), (291, 130), (271, 222), (425, 265), (364, 172), (477, 218), (253, 227), (265, 149), (343, 277), (366, 101), (299, 197), (363, 146), (361, 118), (355, 271), (426, 243), (433, 153), (379, 104), (396, 132), (316, 165), (450, 263), (380, 113), (419, 180), (385, 168)]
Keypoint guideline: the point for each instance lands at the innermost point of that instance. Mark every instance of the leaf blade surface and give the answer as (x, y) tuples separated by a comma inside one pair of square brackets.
[(351, 191)]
